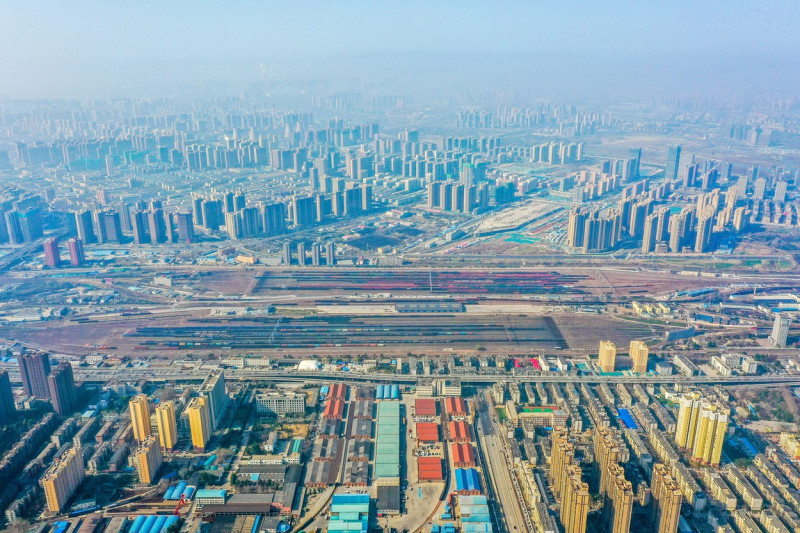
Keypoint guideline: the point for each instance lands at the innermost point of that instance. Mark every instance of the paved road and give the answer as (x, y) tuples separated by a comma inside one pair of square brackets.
[(495, 463)]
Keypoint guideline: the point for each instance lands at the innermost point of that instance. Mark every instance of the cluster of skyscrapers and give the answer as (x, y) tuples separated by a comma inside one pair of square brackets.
[(701, 428), (54, 384), (319, 254), (607, 356)]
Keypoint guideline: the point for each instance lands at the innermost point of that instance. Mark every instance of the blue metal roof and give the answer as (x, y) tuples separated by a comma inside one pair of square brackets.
[(210, 493), (627, 419)]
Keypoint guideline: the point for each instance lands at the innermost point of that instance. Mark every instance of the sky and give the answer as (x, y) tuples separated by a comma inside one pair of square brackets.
[(114, 48)]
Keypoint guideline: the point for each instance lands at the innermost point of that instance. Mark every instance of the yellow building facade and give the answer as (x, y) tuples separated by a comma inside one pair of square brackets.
[(167, 425), (140, 417), (607, 357), (199, 422)]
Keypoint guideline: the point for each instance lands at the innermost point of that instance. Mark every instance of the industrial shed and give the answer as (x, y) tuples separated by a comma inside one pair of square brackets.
[(429, 307), (460, 431), (429, 469), (425, 407), (388, 500), (468, 481), (330, 428), (321, 473), (387, 442), (338, 391), (327, 449), (455, 406), (427, 432), (334, 409), (356, 474), (363, 409), (365, 393), (359, 450), (463, 455), (361, 428)]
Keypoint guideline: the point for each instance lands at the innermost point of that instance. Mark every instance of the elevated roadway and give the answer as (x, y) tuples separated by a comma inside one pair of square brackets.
[(160, 374)]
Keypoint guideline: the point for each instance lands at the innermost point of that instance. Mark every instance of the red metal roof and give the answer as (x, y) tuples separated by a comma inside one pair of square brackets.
[(459, 431), (428, 432), (456, 406), (338, 390), (334, 409), (463, 454), (429, 469), (425, 407)]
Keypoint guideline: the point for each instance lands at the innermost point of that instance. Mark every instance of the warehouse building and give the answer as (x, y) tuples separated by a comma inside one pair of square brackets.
[(468, 481), (425, 407), (460, 431), (349, 513), (463, 455), (455, 407), (427, 432), (429, 469)]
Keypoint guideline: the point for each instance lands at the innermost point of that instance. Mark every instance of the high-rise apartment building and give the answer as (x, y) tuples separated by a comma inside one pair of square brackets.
[(780, 191), (565, 480), (139, 227), (76, 254), (7, 407), (140, 417), (148, 459), (780, 330), (185, 227), (33, 370), (704, 229), (639, 353), (330, 254), (167, 425), (63, 394), (213, 389), (576, 227), (575, 501), (62, 478), (199, 422), (760, 189), (649, 233), (157, 225), (616, 491), (673, 160), (666, 503), (618, 508), (701, 428), (712, 427), (83, 223), (52, 255), (607, 358)]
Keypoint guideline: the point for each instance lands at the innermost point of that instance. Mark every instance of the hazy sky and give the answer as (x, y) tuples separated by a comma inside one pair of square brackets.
[(80, 48)]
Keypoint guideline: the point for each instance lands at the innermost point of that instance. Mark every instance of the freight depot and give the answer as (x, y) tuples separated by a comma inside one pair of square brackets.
[(288, 332)]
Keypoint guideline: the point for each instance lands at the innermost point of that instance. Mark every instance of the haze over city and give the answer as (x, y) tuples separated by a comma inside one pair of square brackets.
[(399, 267), (89, 49)]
